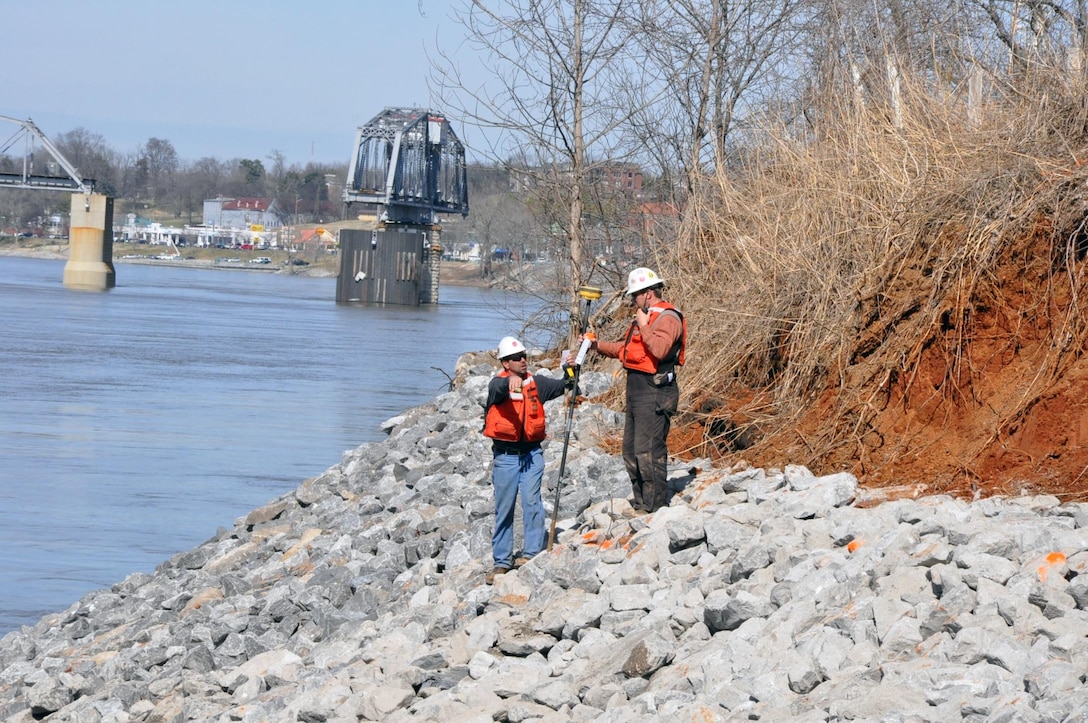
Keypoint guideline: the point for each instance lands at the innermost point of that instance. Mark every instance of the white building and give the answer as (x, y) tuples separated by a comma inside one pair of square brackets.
[(241, 213)]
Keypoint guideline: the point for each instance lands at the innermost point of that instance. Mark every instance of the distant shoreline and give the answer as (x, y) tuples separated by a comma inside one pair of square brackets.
[(52, 251), (453, 273)]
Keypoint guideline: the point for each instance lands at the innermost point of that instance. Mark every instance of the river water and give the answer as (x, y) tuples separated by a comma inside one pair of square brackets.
[(135, 422)]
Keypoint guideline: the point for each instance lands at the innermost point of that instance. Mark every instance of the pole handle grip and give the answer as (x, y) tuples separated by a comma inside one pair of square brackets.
[(587, 342)]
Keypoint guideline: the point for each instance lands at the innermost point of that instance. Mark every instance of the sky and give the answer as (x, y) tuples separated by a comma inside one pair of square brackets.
[(226, 79)]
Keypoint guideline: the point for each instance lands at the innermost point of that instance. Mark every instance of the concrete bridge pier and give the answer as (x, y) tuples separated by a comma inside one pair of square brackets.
[(428, 294), (90, 244)]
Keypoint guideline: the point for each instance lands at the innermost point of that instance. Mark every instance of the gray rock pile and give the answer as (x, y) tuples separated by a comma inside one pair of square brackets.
[(757, 595)]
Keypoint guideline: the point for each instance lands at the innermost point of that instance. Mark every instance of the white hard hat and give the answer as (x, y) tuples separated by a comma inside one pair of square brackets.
[(642, 278), (510, 346)]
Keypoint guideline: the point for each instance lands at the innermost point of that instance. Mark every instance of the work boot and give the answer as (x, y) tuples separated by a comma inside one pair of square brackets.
[(490, 579), (521, 561)]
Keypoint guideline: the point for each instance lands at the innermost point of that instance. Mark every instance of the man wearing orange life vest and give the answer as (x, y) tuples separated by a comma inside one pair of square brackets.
[(514, 420), (651, 351)]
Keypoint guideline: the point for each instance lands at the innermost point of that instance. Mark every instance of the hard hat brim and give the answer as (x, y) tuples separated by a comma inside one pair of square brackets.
[(656, 284)]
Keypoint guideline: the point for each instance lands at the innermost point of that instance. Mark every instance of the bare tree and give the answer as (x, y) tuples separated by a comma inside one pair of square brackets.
[(706, 60), (94, 158), (197, 182), (208, 174), (549, 110), (859, 49), (277, 172), (1050, 33), (161, 163), (498, 221)]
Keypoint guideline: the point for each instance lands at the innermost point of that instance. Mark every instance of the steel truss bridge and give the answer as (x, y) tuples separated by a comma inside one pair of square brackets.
[(28, 133), (409, 163)]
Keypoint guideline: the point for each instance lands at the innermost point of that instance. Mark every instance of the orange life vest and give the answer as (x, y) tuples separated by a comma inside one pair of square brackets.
[(636, 356), (518, 419)]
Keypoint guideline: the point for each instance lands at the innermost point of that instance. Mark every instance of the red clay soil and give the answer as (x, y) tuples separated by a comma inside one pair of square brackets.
[(984, 394)]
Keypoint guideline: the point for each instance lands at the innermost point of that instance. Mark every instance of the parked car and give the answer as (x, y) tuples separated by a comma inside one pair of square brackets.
[(261, 260), (299, 262)]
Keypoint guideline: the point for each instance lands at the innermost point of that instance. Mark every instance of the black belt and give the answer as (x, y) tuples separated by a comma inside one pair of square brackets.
[(515, 452)]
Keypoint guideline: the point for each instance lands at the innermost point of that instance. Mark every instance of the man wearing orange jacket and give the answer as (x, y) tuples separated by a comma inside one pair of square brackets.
[(514, 420), (651, 351)]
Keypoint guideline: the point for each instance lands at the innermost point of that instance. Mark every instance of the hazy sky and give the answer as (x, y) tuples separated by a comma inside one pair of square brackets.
[(230, 79)]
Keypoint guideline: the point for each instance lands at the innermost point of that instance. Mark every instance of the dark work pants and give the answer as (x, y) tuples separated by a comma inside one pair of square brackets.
[(649, 414)]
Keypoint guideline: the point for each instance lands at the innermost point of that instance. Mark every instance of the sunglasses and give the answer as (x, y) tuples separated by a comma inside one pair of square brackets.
[(516, 357)]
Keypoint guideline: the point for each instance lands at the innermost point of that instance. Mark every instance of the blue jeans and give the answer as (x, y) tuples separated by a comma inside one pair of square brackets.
[(511, 474)]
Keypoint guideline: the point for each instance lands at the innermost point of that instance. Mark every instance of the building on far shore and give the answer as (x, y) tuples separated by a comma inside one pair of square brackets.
[(237, 222), (241, 213), (247, 223)]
